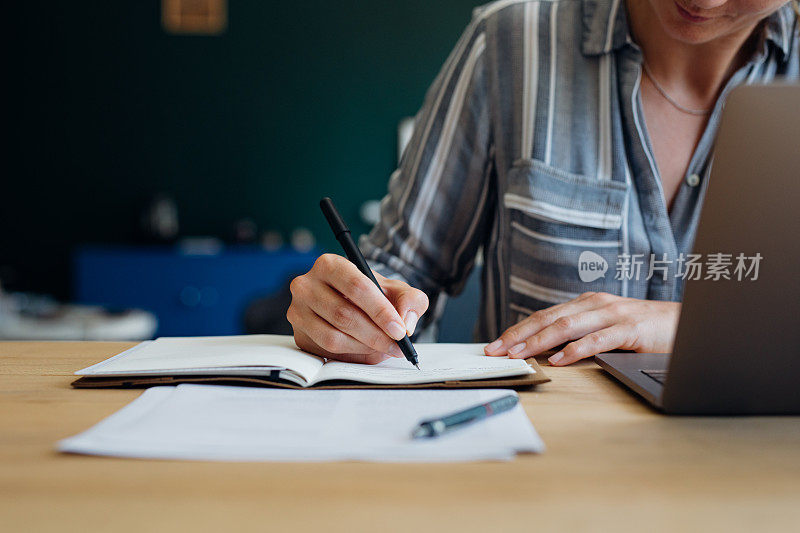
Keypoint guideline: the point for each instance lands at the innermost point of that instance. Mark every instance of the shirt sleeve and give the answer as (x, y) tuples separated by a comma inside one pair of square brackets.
[(434, 217)]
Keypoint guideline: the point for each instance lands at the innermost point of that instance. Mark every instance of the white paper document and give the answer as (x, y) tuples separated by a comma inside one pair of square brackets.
[(220, 423)]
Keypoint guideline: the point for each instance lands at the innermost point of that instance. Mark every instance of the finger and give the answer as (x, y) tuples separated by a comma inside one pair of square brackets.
[(327, 337), (410, 303), (305, 343), (592, 344), (516, 334), (362, 358), (343, 276), (565, 328), (343, 315)]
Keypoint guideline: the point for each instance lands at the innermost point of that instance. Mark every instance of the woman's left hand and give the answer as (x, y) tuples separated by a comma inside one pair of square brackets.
[(595, 323)]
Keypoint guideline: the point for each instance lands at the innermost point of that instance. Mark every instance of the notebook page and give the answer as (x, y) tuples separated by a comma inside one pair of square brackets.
[(207, 355), (437, 362), (203, 422)]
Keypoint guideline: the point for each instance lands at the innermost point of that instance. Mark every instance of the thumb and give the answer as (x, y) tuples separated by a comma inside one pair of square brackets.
[(410, 303)]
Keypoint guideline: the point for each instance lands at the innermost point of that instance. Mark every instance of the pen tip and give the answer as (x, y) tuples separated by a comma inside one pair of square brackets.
[(418, 433), (416, 365)]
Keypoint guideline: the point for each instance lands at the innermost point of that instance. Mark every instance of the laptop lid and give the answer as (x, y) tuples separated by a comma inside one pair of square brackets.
[(737, 349)]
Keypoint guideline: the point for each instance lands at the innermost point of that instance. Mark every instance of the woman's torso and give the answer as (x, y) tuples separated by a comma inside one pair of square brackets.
[(577, 187)]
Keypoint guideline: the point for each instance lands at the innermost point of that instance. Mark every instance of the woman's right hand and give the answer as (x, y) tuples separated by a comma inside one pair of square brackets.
[(338, 313)]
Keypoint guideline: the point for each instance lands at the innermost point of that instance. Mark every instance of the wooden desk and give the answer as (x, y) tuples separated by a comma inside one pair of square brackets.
[(611, 464)]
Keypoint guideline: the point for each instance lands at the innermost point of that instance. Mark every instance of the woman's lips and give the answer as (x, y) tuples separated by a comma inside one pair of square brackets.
[(688, 16)]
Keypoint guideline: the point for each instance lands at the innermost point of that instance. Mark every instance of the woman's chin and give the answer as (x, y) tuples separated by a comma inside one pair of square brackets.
[(691, 33)]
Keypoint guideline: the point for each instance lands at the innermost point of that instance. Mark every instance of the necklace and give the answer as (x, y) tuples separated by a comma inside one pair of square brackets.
[(668, 98)]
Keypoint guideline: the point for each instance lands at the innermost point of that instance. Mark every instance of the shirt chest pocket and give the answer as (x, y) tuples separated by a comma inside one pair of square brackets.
[(565, 235)]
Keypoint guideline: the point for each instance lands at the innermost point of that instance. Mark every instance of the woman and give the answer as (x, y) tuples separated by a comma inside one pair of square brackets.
[(557, 132)]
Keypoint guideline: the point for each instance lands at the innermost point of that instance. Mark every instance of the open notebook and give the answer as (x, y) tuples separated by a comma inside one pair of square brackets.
[(276, 360)]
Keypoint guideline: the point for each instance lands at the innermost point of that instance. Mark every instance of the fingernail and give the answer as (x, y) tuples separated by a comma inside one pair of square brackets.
[(411, 321), (397, 330), (493, 347), (516, 348), (555, 358)]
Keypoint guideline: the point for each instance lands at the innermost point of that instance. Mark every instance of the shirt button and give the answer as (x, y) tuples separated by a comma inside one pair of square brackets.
[(693, 180)]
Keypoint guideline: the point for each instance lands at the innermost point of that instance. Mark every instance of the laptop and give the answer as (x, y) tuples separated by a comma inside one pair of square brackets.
[(737, 346)]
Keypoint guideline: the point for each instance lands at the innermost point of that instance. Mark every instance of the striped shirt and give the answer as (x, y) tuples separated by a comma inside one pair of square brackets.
[(531, 149)]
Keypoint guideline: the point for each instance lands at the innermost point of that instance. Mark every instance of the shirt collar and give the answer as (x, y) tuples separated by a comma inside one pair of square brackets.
[(780, 29), (605, 27)]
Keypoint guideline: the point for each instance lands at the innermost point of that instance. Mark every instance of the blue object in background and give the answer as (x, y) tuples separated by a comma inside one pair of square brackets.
[(461, 312), (190, 294)]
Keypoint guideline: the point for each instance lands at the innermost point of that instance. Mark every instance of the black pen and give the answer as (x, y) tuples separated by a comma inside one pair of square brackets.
[(437, 426), (342, 234)]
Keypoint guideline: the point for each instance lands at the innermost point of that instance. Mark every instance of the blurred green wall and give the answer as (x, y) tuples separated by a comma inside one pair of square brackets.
[(295, 101)]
